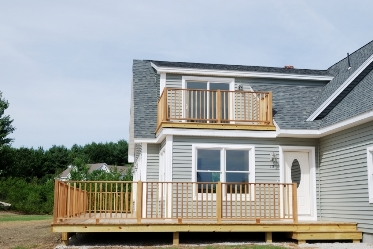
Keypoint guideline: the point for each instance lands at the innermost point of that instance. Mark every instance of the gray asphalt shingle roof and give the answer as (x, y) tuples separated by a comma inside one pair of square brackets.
[(292, 104), (341, 73), (242, 68)]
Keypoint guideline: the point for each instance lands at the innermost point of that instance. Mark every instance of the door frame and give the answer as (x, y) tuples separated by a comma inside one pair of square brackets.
[(312, 163)]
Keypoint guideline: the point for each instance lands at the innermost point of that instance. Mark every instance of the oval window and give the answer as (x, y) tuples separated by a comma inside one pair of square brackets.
[(295, 172)]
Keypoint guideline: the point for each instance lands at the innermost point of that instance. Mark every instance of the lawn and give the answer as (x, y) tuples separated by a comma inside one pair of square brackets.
[(7, 216)]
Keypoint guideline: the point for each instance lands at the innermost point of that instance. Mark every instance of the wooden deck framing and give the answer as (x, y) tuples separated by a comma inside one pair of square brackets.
[(187, 207)]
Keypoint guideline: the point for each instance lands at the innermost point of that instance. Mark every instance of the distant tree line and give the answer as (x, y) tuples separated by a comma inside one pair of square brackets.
[(30, 163), (27, 174)]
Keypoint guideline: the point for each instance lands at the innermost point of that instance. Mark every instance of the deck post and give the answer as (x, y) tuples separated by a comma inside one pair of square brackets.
[(139, 201), (175, 240), (268, 237), (218, 202), (295, 202), (65, 239), (55, 205)]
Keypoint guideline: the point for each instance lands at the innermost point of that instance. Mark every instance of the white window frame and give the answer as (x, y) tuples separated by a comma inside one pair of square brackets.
[(370, 173), (208, 80), (223, 147)]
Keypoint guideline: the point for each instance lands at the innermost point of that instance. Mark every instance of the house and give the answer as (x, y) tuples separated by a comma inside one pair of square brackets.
[(196, 122), (65, 175)]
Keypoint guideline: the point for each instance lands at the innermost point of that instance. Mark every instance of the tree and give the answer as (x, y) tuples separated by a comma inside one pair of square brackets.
[(6, 127)]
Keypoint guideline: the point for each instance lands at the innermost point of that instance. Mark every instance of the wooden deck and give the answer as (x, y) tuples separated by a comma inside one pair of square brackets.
[(188, 207)]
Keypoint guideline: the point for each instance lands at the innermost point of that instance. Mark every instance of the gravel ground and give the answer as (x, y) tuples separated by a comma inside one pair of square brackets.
[(188, 240)]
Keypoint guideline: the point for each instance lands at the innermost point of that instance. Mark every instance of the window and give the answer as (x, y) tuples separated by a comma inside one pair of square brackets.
[(224, 163), (370, 173)]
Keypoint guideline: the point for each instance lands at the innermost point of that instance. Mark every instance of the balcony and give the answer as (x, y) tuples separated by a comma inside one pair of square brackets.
[(215, 109)]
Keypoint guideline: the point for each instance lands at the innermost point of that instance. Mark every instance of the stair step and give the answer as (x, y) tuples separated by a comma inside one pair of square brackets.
[(327, 235)]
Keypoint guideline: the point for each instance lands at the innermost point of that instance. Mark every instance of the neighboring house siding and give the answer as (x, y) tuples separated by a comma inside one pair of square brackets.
[(153, 162), (182, 154), (344, 179), (145, 97)]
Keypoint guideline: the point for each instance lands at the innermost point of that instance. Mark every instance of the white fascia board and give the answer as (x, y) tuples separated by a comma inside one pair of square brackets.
[(340, 89), (348, 123), (217, 133), (193, 71), (360, 119), (161, 135)]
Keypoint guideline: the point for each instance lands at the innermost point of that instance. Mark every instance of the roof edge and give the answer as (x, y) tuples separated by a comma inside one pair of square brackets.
[(340, 89), (232, 73)]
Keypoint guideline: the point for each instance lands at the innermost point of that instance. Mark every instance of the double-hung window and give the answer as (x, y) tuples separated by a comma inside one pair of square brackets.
[(370, 173), (224, 163)]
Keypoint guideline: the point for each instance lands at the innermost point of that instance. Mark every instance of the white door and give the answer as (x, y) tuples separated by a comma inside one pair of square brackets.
[(297, 170)]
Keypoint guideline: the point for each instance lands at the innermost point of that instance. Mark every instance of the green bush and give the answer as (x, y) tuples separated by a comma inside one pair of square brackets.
[(27, 197)]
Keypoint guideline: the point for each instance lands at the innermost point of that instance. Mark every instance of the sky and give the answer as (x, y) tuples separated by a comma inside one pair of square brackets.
[(66, 66)]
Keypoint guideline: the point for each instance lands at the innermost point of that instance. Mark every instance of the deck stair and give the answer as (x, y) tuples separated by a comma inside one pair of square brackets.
[(327, 231)]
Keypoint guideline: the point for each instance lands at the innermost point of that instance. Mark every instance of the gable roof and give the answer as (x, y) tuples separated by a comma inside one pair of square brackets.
[(344, 81), (93, 167)]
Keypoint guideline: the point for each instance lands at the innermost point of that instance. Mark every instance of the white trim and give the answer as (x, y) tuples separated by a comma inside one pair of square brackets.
[(144, 165), (340, 89), (131, 159), (370, 173), (168, 161), (162, 83), (348, 123), (312, 162), (168, 157), (207, 72), (222, 146)]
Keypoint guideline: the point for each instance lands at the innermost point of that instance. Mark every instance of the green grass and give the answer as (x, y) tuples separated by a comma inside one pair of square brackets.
[(235, 247), (19, 217)]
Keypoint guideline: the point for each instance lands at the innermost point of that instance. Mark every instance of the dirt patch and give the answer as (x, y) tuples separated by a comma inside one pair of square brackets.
[(27, 234)]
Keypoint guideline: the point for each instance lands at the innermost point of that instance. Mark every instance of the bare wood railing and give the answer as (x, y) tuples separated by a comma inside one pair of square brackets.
[(215, 106), (175, 201), (93, 199), (220, 201)]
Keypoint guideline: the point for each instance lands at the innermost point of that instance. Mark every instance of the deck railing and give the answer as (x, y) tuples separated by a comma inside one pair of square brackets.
[(215, 107), (176, 201)]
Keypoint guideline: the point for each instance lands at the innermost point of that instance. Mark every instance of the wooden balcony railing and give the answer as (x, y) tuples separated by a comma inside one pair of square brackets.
[(175, 201), (215, 107)]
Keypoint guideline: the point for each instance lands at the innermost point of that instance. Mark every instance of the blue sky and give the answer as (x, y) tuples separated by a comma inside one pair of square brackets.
[(65, 66)]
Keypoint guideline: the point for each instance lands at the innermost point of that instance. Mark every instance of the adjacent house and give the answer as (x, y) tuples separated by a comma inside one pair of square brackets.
[(197, 122), (65, 175)]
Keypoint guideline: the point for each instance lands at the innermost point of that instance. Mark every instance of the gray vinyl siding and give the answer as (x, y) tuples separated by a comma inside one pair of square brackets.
[(182, 154), (152, 173), (343, 177), (175, 81)]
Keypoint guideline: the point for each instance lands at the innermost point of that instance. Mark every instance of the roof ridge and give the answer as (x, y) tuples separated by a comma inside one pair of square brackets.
[(201, 63)]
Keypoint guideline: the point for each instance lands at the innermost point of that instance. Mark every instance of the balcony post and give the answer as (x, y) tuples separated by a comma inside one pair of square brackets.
[(270, 119), (295, 202), (218, 201), (165, 115), (139, 201), (218, 106)]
